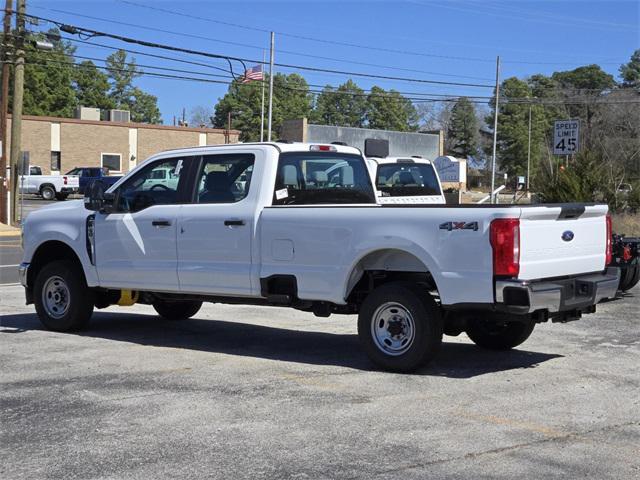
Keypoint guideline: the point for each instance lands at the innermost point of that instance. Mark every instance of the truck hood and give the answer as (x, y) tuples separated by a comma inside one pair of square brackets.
[(59, 212)]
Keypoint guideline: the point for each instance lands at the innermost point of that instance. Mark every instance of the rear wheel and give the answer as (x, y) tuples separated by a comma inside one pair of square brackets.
[(178, 310), (630, 277), (400, 327), (61, 296), (498, 335), (48, 192)]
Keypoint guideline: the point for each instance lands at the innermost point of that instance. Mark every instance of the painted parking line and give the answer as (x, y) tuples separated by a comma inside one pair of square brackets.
[(7, 266), (10, 285)]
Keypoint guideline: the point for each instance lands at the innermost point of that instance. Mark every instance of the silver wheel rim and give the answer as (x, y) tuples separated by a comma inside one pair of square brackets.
[(47, 194), (56, 297), (392, 328)]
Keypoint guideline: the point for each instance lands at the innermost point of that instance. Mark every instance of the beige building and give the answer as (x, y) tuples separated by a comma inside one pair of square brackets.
[(60, 144)]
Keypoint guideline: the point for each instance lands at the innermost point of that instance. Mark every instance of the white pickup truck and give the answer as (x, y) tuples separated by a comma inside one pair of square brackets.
[(49, 187), (294, 224)]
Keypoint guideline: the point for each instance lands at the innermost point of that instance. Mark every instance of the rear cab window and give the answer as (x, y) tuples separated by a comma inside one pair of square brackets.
[(407, 180), (313, 178)]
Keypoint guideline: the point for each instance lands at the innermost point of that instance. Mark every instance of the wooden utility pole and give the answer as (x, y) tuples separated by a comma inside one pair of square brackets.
[(229, 127), (16, 111), (4, 107)]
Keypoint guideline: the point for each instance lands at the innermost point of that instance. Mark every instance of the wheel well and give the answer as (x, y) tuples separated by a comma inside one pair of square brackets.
[(48, 252), (383, 266), (47, 185)]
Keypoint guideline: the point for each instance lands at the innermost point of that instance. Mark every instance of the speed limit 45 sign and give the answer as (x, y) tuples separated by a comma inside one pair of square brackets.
[(566, 137)]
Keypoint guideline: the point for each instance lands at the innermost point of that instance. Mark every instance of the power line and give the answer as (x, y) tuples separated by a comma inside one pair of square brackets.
[(523, 101), (336, 42), (92, 33), (256, 47)]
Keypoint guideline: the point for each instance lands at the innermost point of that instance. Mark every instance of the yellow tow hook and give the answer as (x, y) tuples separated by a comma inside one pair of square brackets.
[(127, 298)]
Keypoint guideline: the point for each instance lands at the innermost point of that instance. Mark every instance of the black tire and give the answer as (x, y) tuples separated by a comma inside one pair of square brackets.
[(631, 278), (65, 279), (498, 336), (61, 196), (423, 316), (48, 192), (178, 310)]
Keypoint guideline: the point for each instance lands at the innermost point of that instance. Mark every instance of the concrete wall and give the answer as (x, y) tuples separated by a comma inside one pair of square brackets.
[(401, 144), (81, 142)]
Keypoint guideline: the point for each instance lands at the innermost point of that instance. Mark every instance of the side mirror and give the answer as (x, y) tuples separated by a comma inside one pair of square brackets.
[(96, 199)]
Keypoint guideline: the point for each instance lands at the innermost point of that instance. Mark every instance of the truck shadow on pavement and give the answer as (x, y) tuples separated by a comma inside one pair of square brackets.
[(456, 360)]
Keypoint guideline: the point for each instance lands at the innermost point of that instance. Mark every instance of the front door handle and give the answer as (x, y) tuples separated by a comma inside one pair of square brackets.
[(161, 223), (234, 223)]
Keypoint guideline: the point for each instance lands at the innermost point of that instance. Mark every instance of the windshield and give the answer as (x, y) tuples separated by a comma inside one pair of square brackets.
[(407, 180), (310, 178)]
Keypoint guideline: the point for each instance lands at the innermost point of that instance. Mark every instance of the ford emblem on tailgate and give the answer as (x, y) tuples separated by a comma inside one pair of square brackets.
[(567, 236)]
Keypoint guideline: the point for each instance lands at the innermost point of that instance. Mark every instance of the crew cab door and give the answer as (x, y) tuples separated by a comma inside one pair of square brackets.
[(136, 244), (215, 230)]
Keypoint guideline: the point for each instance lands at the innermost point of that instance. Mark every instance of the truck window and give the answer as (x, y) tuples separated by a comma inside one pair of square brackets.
[(224, 178), (311, 178), (407, 180), (35, 170), (148, 188)]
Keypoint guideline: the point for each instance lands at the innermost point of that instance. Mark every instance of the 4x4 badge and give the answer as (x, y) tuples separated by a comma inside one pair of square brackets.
[(459, 226)]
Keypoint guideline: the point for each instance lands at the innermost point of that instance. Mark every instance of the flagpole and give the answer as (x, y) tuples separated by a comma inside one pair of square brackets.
[(262, 109), (270, 88)]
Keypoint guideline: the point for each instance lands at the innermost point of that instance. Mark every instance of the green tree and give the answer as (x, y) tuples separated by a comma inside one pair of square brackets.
[(291, 99), (91, 86), (124, 95), (389, 110), (47, 79), (463, 130), (143, 107), (122, 73), (630, 72), (344, 106)]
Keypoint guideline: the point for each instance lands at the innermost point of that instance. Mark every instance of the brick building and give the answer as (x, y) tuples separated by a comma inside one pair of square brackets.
[(60, 144)]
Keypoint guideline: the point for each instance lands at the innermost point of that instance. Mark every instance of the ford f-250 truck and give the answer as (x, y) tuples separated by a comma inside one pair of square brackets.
[(298, 225), (49, 187)]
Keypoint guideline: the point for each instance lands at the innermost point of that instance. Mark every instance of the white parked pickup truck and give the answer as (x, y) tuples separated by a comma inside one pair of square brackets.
[(405, 180), (294, 224), (49, 187)]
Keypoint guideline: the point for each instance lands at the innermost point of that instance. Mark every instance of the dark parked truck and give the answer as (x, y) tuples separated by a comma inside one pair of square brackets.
[(88, 175)]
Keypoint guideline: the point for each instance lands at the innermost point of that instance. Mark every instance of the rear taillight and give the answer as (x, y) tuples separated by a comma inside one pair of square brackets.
[(65, 180), (609, 249), (505, 241)]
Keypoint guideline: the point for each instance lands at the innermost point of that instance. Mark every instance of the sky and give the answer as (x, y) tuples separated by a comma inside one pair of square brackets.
[(444, 41)]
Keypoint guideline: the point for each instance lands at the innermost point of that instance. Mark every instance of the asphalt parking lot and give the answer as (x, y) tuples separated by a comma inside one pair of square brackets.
[(245, 392)]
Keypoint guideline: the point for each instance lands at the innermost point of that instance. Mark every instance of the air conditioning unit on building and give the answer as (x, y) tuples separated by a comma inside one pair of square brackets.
[(119, 115), (87, 113)]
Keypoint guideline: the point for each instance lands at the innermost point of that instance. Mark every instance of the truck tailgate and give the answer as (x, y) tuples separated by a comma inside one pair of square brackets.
[(557, 241)]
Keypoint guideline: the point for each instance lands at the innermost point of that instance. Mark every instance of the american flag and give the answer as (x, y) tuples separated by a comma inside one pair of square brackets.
[(253, 73)]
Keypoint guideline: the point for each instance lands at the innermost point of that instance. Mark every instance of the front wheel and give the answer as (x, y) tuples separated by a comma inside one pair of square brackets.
[(498, 336), (178, 310), (61, 296), (400, 327)]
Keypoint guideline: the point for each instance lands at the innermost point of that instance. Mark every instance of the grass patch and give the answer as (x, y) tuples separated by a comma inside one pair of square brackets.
[(626, 224)]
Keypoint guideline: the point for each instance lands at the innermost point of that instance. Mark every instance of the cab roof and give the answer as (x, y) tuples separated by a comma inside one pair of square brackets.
[(280, 146), (385, 160)]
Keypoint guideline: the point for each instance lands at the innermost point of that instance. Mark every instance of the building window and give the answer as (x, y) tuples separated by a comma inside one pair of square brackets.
[(56, 161), (112, 161)]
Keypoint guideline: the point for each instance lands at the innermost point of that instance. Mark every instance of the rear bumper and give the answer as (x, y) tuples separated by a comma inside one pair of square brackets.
[(573, 294)]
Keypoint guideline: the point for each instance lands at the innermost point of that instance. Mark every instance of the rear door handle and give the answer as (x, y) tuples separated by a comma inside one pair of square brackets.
[(234, 223), (161, 223)]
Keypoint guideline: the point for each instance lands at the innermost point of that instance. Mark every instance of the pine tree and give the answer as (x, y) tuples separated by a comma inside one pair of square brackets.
[(463, 129)]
